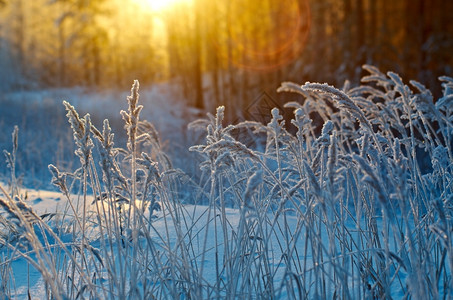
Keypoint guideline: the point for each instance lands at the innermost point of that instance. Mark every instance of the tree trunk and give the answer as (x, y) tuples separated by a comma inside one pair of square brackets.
[(199, 103)]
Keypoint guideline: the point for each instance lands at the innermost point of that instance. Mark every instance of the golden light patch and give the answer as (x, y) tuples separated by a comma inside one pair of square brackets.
[(161, 5)]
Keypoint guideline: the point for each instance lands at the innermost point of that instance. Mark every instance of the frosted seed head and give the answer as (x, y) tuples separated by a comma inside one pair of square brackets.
[(327, 128), (220, 111), (133, 98), (252, 185), (276, 114), (210, 133), (218, 120), (77, 125), (298, 113), (274, 124)]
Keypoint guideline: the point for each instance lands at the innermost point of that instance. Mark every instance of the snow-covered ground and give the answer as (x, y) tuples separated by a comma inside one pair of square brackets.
[(206, 239), (204, 232)]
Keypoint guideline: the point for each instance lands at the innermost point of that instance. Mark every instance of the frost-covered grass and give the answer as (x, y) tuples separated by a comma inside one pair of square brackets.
[(361, 208), (45, 138)]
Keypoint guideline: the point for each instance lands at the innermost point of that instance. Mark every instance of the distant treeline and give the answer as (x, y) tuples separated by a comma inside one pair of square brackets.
[(224, 51)]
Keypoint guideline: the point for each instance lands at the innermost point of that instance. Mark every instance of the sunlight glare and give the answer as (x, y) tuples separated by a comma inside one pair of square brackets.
[(161, 5)]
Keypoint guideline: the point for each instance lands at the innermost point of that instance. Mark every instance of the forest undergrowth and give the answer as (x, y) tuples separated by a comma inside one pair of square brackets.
[(358, 206)]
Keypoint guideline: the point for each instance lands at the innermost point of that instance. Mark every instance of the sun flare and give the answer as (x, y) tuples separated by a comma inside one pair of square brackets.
[(161, 5)]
